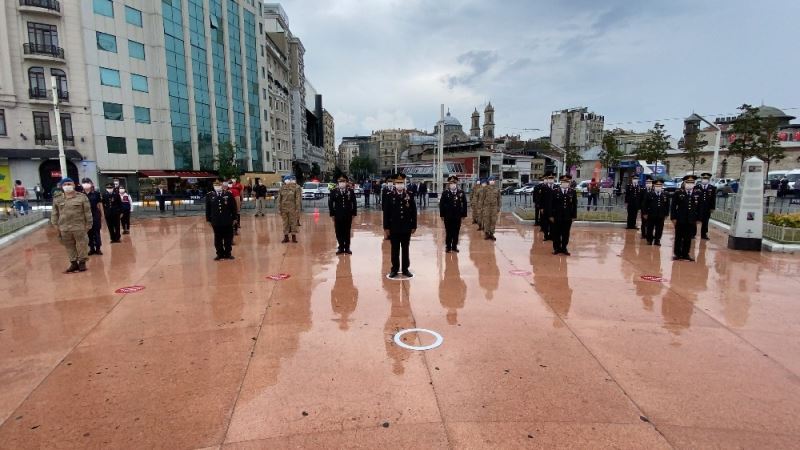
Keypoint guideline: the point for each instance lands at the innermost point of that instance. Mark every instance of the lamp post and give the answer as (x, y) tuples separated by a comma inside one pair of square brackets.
[(62, 158)]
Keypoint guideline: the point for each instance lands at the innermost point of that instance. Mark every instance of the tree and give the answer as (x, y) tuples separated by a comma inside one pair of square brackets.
[(315, 170), (225, 161), (746, 130), (337, 172), (611, 154), (692, 150), (654, 148), (361, 166), (770, 149)]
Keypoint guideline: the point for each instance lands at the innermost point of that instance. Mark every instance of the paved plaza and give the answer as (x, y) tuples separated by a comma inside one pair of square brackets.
[(539, 351)]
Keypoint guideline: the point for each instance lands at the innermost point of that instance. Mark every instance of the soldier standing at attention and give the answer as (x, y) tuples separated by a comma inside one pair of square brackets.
[(289, 205), (490, 208), (343, 207), (72, 215), (655, 208), (479, 197), (685, 212), (537, 202), (95, 200), (708, 195), (399, 223), (563, 209), (452, 208), (473, 201), (112, 209), (221, 213), (648, 188), (545, 195), (633, 198)]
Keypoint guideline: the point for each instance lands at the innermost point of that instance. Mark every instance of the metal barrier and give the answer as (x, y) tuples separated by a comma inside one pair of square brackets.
[(782, 234)]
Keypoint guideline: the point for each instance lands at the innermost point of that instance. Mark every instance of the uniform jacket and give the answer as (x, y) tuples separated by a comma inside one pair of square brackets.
[(491, 200), (633, 195), (342, 203), (220, 208), (399, 212), (563, 206), (290, 199), (72, 214), (708, 196), (453, 205), (112, 201), (686, 206), (473, 197), (643, 193), (545, 196), (95, 199), (656, 205)]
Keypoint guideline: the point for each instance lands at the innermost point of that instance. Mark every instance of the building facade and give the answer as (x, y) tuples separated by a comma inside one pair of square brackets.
[(276, 35), (576, 127), (329, 141)]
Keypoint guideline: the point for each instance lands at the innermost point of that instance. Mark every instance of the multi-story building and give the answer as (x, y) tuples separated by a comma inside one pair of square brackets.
[(576, 127), (329, 141), (348, 150), (276, 34), (351, 147)]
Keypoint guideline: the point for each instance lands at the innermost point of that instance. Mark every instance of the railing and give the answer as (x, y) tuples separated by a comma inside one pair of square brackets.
[(50, 140), (43, 49), (782, 234), (52, 5)]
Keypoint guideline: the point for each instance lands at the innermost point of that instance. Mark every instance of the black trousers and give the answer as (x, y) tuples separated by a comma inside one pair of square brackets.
[(632, 213), (366, 199), (400, 240), (452, 227), (654, 228), (125, 220), (112, 222), (342, 226), (161, 203), (592, 199), (94, 234), (536, 210), (560, 234), (223, 238), (683, 238), (546, 226), (423, 199), (704, 226)]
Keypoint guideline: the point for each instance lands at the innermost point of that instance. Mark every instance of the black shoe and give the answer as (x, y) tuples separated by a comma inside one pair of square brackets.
[(649, 242), (676, 258), (285, 239), (491, 236), (448, 250), (92, 252), (347, 251), (407, 274), (657, 243), (340, 252), (217, 258), (294, 239), (566, 252), (705, 238), (393, 274), (73, 267), (82, 266), (455, 250), (126, 232), (688, 258), (555, 252), (98, 252), (230, 257)]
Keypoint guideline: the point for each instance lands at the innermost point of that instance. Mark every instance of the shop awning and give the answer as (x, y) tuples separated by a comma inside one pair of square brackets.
[(157, 174), (194, 174), (117, 172), (24, 153)]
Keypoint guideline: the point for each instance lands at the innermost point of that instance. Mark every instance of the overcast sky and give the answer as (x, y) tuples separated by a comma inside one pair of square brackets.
[(390, 63)]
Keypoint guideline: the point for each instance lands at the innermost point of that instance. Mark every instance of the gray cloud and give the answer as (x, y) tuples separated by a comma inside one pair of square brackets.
[(477, 62)]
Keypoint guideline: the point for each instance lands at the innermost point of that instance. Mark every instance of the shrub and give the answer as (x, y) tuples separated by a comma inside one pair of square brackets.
[(784, 220)]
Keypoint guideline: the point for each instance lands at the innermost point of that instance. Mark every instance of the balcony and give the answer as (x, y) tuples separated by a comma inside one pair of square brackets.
[(42, 51), (41, 6), (36, 93), (52, 141)]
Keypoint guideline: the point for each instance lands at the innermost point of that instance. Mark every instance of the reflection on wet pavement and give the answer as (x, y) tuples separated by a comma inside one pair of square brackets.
[(581, 353)]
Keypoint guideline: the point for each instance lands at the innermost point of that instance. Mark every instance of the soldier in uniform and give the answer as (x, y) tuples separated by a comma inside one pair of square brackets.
[(343, 207), (685, 212), (72, 215), (490, 208), (221, 213), (95, 200), (537, 202), (648, 187), (545, 193), (633, 198), (473, 201), (289, 205), (562, 210), (112, 209), (655, 208), (479, 198), (708, 194), (399, 223), (452, 208)]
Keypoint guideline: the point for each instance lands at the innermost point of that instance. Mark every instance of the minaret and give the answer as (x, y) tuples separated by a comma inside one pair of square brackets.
[(488, 122), (476, 127)]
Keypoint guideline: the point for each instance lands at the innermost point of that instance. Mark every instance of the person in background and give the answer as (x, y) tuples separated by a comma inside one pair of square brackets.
[(563, 209), (260, 192), (452, 209), (544, 200), (161, 196), (112, 210), (399, 223), (39, 192), (422, 192), (708, 197), (648, 187), (289, 206), (220, 213), (343, 206), (655, 209), (633, 198), (473, 202), (125, 215), (20, 197), (72, 216), (594, 194), (95, 200), (478, 205), (235, 188), (366, 189)]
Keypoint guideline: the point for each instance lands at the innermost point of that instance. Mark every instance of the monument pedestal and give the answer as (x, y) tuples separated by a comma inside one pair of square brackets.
[(743, 243), (748, 216)]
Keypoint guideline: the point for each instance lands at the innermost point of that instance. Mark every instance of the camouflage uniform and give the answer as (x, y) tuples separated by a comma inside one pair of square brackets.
[(478, 210), (73, 218), (473, 202), (289, 205), (490, 207)]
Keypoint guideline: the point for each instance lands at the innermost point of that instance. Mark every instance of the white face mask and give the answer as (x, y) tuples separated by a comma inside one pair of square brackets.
[(658, 190), (400, 186), (342, 185), (218, 188), (648, 185), (491, 183), (688, 186), (564, 185), (705, 182), (109, 190), (122, 191), (288, 181), (86, 186), (116, 183), (68, 188), (453, 186)]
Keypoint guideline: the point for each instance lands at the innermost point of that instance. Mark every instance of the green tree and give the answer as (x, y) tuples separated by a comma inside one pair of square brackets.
[(225, 161), (611, 154), (746, 130), (337, 172), (654, 148), (572, 157), (692, 150), (770, 149), (361, 166), (315, 170)]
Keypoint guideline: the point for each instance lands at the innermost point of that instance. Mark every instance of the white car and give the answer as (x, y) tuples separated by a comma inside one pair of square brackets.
[(311, 191)]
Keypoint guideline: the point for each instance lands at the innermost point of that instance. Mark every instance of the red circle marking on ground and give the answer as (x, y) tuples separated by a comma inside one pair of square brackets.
[(278, 277), (129, 289), (653, 278), (519, 273)]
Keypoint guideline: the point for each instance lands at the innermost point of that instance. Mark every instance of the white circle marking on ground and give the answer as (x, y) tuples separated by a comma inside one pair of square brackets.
[(399, 335)]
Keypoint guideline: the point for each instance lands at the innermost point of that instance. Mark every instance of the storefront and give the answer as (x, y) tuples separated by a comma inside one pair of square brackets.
[(179, 183)]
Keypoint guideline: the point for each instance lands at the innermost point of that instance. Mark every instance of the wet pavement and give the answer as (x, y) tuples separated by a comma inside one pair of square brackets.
[(539, 351)]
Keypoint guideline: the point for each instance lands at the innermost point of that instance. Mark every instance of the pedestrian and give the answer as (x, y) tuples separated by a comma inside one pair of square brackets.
[(289, 206), (452, 208), (236, 188), (655, 209), (343, 206), (95, 200), (422, 191), (39, 192), (545, 196), (112, 210), (399, 223), (562, 210), (633, 199), (161, 196), (221, 213), (125, 215), (72, 216), (490, 208), (473, 201), (708, 196), (648, 187), (685, 212), (367, 190), (594, 194), (20, 197), (260, 192)]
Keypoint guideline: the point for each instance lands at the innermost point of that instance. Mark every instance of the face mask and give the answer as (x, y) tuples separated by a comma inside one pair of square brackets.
[(453, 186), (548, 182), (122, 191), (658, 190), (342, 185), (648, 186), (492, 183), (400, 186), (218, 188), (287, 181), (116, 183), (564, 185), (705, 182), (109, 190), (68, 188), (86, 186), (689, 186)]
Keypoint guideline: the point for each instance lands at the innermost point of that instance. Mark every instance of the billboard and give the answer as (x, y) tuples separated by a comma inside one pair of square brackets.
[(5, 182)]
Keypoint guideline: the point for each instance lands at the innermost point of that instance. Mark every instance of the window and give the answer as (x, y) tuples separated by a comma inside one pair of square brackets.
[(144, 146), (133, 16), (3, 129), (116, 145), (141, 114), (214, 22), (135, 49), (139, 82), (41, 127), (106, 42), (66, 129), (109, 77), (61, 83), (38, 87), (104, 8), (42, 35), (112, 111)]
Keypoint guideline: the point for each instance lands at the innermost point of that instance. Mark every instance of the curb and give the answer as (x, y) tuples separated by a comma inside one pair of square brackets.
[(579, 223), (22, 232), (766, 244)]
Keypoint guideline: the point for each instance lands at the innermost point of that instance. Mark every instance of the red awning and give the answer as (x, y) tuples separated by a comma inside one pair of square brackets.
[(194, 174), (157, 174), (176, 174)]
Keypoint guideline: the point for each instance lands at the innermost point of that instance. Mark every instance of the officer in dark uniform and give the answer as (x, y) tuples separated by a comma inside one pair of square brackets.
[(399, 223), (536, 197), (655, 208), (685, 212), (562, 210), (544, 203), (633, 198), (708, 194), (648, 187), (112, 209), (221, 213), (452, 208), (342, 206), (95, 200)]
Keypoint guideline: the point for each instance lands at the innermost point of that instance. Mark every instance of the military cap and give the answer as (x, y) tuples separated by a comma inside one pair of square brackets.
[(342, 178), (705, 175), (87, 180), (564, 178), (452, 178), (690, 178), (648, 178), (108, 185), (658, 183), (217, 183), (66, 180)]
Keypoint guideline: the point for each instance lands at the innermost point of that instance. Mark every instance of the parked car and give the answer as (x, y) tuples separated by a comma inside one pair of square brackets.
[(583, 187), (522, 189), (358, 191), (774, 178), (325, 189), (311, 191), (672, 185), (508, 190), (722, 182)]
